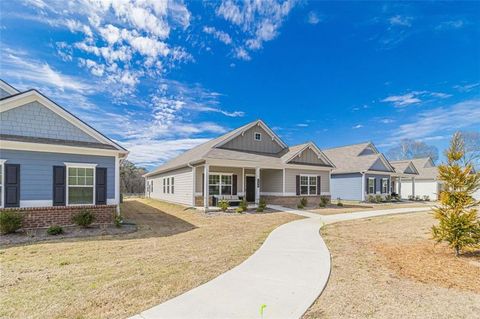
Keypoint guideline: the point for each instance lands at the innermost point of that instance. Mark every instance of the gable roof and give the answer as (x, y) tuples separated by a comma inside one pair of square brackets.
[(402, 166), (424, 168), (212, 150), (347, 159), (8, 88), (296, 150), (22, 98)]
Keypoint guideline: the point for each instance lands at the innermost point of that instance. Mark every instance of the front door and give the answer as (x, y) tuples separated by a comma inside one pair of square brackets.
[(250, 183)]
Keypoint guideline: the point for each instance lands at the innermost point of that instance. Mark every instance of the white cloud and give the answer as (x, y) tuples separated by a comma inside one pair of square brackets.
[(302, 125), (399, 20), (466, 87), (451, 24), (386, 121), (357, 126), (414, 97), (259, 22), (220, 35), (442, 120), (313, 18)]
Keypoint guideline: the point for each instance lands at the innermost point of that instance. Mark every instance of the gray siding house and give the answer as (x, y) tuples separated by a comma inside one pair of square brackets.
[(53, 163), (361, 170), (247, 163)]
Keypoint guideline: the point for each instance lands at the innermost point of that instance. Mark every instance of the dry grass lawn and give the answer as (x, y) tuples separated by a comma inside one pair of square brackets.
[(333, 209), (386, 267), (118, 276)]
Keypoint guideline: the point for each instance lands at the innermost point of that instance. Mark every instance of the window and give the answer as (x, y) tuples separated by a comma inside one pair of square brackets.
[(257, 136), (1, 182), (173, 182), (371, 185), (220, 184), (308, 185), (384, 185), (151, 186), (148, 187), (164, 188), (80, 185)]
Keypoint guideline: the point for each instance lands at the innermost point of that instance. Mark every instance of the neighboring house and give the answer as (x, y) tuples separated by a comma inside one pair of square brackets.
[(361, 170), (249, 162), (52, 164), (426, 183), (406, 176)]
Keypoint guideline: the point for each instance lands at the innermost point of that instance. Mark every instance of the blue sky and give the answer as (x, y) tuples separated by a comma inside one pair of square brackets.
[(163, 76)]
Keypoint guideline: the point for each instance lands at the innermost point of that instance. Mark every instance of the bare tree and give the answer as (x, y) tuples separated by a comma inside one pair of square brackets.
[(410, 149), (131, 178), (472, 148)]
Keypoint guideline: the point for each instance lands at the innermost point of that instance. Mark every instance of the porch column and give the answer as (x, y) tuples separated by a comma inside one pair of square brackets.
[(363, 187), (413, 186), (400, 187), (206, 194), (243, 183), (283, 181), (257, 185)]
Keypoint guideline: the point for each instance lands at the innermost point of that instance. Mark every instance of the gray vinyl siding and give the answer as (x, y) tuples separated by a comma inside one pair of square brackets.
[(36, 171), (246, 142), (290, 179), (308, 157), (217, 169), (409, 170), (347, 186), (3, 93), (271, 180), (379, 166), (378, 183), (183, 186), (35, 120)]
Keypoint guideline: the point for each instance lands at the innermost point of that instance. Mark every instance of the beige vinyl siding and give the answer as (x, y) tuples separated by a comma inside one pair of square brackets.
[(308, 157), (290, 181), (271, 180), (246, 142), (217, 169), (183, 181)]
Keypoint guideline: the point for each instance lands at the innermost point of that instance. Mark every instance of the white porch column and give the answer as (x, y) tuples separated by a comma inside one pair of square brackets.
[(363, 187), (206, 194), (257, 185), (413, 186), (194, 179), (117, 184), (243, 183), (283, 181), (400, 187)]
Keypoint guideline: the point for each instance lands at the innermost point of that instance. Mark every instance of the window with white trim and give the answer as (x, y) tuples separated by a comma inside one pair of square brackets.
[(371, 185), (80, 185), (220, 184), (257, 136), (2, 174), (384, 185), (173, 184), (308, 185)]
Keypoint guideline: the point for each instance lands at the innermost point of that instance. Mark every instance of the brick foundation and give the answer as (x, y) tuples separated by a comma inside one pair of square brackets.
[(199, 201), (39, 217), (293, 201)]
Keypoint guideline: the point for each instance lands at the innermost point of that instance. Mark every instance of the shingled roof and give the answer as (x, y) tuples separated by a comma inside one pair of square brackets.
[(401, 167)]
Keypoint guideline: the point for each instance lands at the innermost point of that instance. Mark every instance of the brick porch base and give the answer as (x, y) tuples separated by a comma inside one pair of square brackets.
[(292, 200), (39, 217)]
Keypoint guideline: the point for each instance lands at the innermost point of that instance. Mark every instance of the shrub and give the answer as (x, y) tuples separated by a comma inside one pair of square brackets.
[(411, 197), (84, 218), (371, 199), (262, 204), (321, 205), (118, 221), (378, 198), (300, 206), (223, 204), (426, 198), (10, 221), (304, 201), (55, 230), (388, 198), (243, 205), (325, 200), (339, 202), (417, 198), (239, 210)]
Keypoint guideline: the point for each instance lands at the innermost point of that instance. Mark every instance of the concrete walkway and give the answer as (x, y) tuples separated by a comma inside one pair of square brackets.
[(287, 274)]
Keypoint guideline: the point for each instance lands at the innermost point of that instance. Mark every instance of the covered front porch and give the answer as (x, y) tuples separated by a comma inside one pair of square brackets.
[(403, 185), (276, 185)]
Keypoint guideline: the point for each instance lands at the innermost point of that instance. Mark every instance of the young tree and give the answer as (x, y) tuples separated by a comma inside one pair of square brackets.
[(458, 225), (409, 149), (131, 178)]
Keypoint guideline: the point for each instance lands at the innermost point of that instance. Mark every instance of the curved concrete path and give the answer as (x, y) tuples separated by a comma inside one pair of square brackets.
[(287, 274)]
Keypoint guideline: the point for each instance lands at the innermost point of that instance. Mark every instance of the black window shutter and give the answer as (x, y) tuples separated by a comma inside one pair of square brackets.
[(12, 185), (319, 184), (297, 186), (234, 185), (375, 185), (101, 186), (59, 186), (203, 184)]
